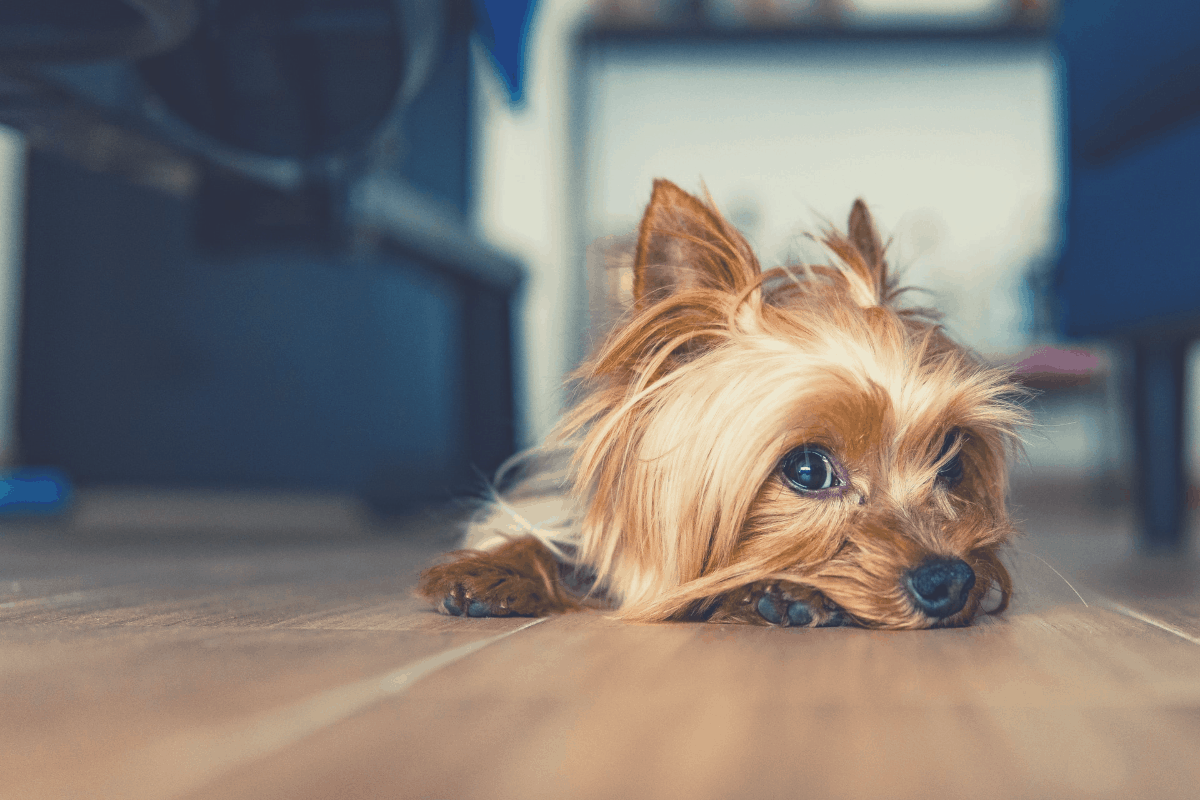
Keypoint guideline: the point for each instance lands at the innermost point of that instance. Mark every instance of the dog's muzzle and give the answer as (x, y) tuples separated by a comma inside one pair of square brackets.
[(940, 587)]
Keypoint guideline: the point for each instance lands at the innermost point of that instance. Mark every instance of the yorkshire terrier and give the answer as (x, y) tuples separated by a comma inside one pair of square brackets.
[(792, 447)]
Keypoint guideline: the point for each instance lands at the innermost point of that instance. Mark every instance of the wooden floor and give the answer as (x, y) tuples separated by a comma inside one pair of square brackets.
[(215, 648)]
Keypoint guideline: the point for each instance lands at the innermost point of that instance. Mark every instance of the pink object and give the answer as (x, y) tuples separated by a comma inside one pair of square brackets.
[(1055, 359)]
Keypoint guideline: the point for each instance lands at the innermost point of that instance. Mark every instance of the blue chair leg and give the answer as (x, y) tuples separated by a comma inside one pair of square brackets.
[(1159, 374)]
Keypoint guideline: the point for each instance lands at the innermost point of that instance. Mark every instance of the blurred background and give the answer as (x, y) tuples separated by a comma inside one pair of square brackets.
[(353, 248)]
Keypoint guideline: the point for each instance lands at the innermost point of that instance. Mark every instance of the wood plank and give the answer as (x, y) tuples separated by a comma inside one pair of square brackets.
[(338, 583), (78, 708), (1097, 553), (111, 646), (148, 668), (1071, 702)]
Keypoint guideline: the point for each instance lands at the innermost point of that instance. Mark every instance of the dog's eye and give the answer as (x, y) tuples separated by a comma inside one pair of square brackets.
[(809, 469), (950, 473)]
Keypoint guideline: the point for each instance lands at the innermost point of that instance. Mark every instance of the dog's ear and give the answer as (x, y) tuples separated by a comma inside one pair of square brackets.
[(684, 243), (864, 236)]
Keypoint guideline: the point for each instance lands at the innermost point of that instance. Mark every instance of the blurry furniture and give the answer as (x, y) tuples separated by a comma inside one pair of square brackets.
[(247, 258), (1128, 271), (68, 30)]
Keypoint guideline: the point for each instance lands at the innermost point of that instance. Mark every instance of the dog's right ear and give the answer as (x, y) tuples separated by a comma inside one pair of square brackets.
[(684, 243)]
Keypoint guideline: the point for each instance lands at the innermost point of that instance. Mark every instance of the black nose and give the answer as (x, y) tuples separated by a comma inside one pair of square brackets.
[(941, 586)]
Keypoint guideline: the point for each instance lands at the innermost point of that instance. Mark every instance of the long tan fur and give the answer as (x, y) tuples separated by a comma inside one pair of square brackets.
[(669, 492)]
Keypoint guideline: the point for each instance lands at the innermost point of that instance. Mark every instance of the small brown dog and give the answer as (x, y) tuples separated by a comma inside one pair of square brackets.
[(790, 447)]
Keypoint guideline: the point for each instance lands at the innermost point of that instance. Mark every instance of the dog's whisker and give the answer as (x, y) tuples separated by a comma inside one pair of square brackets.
[(1055, 571)]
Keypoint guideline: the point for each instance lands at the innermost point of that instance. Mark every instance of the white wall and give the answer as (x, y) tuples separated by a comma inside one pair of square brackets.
[(955, 150), (522, 205), (960, 163)]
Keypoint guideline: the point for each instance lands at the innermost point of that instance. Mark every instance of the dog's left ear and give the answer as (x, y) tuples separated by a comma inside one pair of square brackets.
[(872, 265), (865, 237)]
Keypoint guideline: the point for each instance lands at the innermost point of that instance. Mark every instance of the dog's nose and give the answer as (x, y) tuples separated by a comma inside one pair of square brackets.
[(941, 586)]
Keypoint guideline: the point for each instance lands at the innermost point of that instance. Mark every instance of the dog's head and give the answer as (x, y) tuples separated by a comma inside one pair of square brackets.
[(796, 424)]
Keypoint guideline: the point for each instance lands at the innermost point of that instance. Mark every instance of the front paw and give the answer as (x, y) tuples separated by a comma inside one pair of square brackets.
[(482, 591), (520, 579), (786, 605), (459, 600)]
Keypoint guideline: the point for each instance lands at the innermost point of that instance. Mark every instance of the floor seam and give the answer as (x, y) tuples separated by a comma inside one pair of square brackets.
[(198, 758), (1165, 626)]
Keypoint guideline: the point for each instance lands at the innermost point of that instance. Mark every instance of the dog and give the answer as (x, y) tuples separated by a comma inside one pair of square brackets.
[(792, 447)]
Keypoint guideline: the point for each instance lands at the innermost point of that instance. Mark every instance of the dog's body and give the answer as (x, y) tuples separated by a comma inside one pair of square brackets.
[(791, 447)]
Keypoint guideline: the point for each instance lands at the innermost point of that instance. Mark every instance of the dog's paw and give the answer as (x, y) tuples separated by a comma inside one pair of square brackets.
[(787, 605), (461, 601), (515, 581), (477, 590)]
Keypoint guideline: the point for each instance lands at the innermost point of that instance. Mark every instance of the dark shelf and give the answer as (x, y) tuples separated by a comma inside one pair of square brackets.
[(603, 33)]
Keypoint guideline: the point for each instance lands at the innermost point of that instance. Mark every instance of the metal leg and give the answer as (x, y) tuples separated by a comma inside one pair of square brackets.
[(1158, 403)]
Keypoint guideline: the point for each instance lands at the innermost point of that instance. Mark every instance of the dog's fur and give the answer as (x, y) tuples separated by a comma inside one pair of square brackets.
[(665, 492)]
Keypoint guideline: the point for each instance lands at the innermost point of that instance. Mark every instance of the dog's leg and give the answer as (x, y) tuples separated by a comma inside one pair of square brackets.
[(519, 579), (779, 603)]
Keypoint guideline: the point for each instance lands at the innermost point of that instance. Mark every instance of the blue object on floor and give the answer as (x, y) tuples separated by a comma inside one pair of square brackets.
[(33, 491)]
